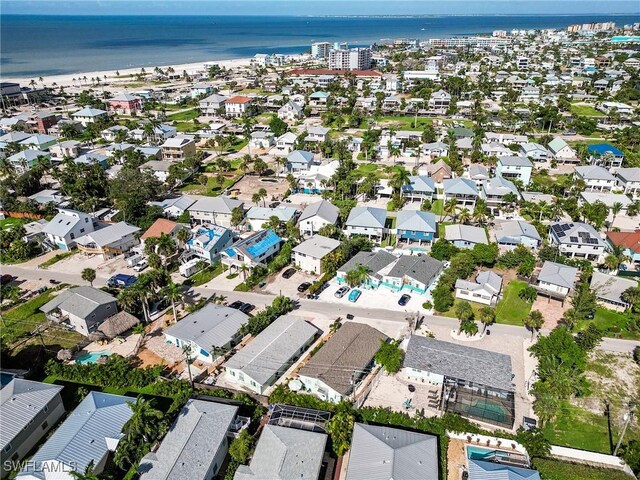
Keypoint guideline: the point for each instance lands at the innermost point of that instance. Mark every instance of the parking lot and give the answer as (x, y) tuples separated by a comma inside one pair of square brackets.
[(278, 285), (381, 298)]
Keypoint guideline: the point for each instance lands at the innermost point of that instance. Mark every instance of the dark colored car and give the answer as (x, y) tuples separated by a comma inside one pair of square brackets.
[(404, 299), (303, 287), (289, 272), (237, 304), (6, 278), (242, 306)]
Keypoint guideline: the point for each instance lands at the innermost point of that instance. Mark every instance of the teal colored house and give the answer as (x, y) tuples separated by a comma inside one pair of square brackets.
[(416, 226)]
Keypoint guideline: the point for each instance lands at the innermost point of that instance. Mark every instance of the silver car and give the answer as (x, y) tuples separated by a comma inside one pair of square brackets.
[(341, 292)]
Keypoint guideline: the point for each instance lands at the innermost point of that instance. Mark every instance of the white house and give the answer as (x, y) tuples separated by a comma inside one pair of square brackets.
[(561, 151), (596, 178), (577, 240), (309, 254), (89, 115), (515, 168), (366, 221), (290, 111), (629, 180), (66, 227), (285, 143), (556, 279), (238, 106), (517, 232), (216, 210), (212, 105), (465, 236), (317, 215), (484, 289)]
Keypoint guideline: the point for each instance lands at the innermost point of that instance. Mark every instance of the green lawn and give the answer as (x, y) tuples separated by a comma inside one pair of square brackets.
[(585, 110), (511, 309), (578, 428), (614, 324), (10, 222), (406, 122), (56, 258), (211, 189), (187, 127), (23, 318), (206, 275), (474, 306), (557, 470), (437, 207), (185, 115), (441, 228), (365, 169), (548, 180)]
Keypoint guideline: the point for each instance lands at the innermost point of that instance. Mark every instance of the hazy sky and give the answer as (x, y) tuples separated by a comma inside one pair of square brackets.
[(317, 7)]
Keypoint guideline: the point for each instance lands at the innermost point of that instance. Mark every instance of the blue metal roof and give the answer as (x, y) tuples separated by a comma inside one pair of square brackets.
[(481, 470), (265, 243), (602, 148)]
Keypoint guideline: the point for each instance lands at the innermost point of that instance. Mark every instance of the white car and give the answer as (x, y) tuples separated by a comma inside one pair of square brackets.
[(140, 266)]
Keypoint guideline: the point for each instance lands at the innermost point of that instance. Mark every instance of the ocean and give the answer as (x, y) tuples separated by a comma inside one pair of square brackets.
[(33, 45)]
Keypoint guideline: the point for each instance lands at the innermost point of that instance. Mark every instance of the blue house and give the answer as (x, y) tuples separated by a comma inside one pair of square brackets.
[(299, 161), (599, 152), (208, 240), (416, 226)]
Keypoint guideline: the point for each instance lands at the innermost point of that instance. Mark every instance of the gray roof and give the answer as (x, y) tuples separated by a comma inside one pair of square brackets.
[(609, 287), (477, 171), (317, 246), (468, 233), (300, 156), (263, 357), (383, 453), (350, 349), (513, 161), (422, 268), (537, 197), (481, 470), (629, 174), (89, 112), (416, 220), (558, 274), (420, 183), (285, 454), (499, 186), (20, 401), (594, 172), (609, 199), (556, 145), (79, 301), (486, 280), (85, 434), (209, 326), (283, 213), (109, 234), (323, 209), (461, 186), (367, 217), (577, 233), (189, 448), (183, 202), (459, 361), (516, 228), (220, 204), (376, 261)]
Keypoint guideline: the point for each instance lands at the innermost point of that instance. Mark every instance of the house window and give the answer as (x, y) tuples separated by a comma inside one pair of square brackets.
[(46, 408), (7, 448), (72, 236), (82, 230), (45, 425)]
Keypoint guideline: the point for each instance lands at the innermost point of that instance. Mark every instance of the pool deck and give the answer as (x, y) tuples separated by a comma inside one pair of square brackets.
[(124, 347)]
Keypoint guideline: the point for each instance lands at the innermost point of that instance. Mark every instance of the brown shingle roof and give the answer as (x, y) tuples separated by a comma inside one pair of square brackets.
[(160, 226), (350, 349)]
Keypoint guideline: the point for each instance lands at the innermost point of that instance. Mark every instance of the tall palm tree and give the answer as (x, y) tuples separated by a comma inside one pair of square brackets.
[(183, 235), (166, 246), (534, 321), (400, 178), (145, 419), (464, 216), (615, 210), (357, 276), (487, 316), (449, 208), (175, 294)]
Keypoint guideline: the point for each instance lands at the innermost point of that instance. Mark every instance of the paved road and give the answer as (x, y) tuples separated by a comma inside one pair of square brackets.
[(318, 307)]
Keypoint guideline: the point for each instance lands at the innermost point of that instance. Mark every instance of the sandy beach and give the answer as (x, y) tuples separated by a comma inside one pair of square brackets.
[(124, 76)]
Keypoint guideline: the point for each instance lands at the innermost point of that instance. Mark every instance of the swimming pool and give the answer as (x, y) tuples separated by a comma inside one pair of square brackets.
[(480, 453), (485, 409), (92, 357)]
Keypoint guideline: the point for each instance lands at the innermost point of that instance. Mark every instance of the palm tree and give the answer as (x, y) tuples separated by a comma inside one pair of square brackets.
[(400, 178), (87, 475), (534, 321), (244, 269), (449, 208), (357, 276), (174, 293), (89, 275), (487, 316), (183, 235), (166, 246), (464, 216), (145, 420), (615, 210), (394, 153)]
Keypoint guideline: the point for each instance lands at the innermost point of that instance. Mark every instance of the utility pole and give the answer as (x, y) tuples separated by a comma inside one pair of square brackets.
[(627, 419)]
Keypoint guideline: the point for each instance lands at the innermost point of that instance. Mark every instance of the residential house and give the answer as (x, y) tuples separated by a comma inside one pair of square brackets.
[(109, 241), (515, 168), (178, 149), (317, 215), (556, 279), (561, 151), (257, 216), (29, 410), (89, 115), (629, 180), (416, 226), (285, 143), (535, 152), (85, 440), (483, 470), (66, 226), (463, 190), (609, 289), (261, 140), (212, 105), (39, 141), (162, 226), (207, 242), (383, 453), (596, 178), (49, 196), (479, 174), (605, 155), (610, 200), (629, 242), (255, 250), (308, 255), (93, 158), (159, 168), (217, 210), (497, 191), (196, 445), (27, 159), (319, 99), (517, 232), (159, 134), (465, 236), (366, 221), (400, 274), (67, 148), (485, 288), (285, 453), (207, 332), (505, 138), (577, 240), (82, 308), (174, 207), (317, 134), (435, 150), (238, 106), (439, 101), (110, 134), (439, 171), (267, 357), (465, 371), (420, 187), (125, 103), (290, 111), (299, 161), (335, 371)]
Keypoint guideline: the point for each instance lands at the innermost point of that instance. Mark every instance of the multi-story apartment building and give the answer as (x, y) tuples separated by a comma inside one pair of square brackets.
[(350, 59)]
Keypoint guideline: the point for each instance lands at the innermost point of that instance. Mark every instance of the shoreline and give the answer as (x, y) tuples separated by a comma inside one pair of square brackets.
[(66, 80)]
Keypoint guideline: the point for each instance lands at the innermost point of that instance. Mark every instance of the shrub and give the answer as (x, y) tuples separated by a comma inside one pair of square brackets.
[(390, 356)]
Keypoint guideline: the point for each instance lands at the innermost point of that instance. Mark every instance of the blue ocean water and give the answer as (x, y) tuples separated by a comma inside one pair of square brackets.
[(32, 45)]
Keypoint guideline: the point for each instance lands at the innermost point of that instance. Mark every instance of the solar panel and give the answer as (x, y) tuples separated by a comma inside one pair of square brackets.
[(574, 239), (556, 228), (560, 234), (593, 241), (567, 226)]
